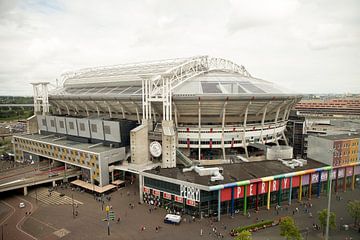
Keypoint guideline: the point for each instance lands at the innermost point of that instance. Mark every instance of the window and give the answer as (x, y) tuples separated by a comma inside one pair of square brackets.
[(71, 125), (82, 127), (107, 130), (62, 125), (94, 128)]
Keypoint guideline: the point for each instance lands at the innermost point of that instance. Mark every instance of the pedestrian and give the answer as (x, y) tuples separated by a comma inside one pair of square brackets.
[(156, 229), (118, 220)]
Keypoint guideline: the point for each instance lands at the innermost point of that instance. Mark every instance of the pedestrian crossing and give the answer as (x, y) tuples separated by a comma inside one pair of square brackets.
[(43, 195)]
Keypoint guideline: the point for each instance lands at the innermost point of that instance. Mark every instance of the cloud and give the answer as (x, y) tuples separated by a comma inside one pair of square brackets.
[(288, 42)]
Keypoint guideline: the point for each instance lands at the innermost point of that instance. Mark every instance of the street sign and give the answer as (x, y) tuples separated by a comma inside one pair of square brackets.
[(107, 209), (112, 215)]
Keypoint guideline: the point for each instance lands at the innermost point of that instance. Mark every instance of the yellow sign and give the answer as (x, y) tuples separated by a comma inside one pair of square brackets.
[(107, 209)]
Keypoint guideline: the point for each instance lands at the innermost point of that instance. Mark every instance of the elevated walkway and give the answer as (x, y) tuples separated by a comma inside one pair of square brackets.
[(37, 180)]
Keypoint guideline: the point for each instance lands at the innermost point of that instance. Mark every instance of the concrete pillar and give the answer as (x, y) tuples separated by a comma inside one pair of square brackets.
[(141, 187), (112, 176), (53, 183), (25, 191)]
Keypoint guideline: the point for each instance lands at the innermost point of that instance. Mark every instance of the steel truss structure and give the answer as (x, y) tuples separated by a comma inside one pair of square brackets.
[(159, 88)]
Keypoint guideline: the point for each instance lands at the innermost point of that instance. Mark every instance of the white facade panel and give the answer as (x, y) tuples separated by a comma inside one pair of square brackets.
[(112, 131), (51, 123), (42, 122), (83, 127), (71, 126), (60, 125), (96, 129)]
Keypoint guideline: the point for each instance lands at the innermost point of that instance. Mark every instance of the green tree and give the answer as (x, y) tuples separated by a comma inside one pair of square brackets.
[(353, 208), (244, 235), (323, 218), (288, 229)]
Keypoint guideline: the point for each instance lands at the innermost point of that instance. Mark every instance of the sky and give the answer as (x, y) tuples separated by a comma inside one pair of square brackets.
[(310, 46)]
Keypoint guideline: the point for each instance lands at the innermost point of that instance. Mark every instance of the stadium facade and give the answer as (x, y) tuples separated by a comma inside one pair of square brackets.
[(165, 121)]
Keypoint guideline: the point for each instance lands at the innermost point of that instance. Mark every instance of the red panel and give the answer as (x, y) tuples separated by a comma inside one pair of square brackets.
[(263, 187), (226, 194), (296, 181), (285, 183), (251, 189), (274, 186), (239, 192)]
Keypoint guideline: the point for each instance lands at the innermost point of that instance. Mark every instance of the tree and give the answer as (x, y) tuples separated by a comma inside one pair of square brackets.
[(244, 235), (288, 229), (353, 208), (323, 218)]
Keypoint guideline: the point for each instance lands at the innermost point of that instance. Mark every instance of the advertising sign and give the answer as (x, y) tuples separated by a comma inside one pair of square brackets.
[(191, 193), (178, 199)]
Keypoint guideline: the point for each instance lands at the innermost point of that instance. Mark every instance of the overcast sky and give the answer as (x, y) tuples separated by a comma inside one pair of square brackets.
[(310, 46)]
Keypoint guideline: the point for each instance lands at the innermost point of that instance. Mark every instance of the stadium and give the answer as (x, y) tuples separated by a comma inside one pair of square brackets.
[(164, 122), (211, 103)]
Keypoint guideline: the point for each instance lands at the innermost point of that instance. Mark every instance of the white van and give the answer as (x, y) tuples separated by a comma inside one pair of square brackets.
[(172, 219)]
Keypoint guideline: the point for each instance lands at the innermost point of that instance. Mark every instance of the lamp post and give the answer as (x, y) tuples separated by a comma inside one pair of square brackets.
[(332, 150), (328, 207)]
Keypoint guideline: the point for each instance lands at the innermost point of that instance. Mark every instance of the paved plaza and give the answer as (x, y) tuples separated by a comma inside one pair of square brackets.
[(55, 221)]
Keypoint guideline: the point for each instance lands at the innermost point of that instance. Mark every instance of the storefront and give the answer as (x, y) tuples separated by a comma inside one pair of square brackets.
[(239, 197)]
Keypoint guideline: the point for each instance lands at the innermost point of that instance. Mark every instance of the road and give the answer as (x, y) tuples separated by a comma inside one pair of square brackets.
[(12, 223)]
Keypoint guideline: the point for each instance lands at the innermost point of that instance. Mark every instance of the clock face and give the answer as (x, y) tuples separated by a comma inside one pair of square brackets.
[(155, 149)]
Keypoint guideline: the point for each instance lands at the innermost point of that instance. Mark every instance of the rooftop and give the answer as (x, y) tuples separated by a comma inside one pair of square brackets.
[(55, 140), (341, 136), (236, 172)]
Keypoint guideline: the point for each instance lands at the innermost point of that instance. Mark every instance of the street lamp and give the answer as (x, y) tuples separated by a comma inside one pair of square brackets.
[(332, 150)]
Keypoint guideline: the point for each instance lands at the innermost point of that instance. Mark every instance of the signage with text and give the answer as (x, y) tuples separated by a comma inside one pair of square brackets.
[(191, 193)]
